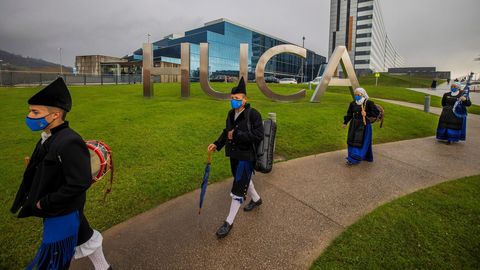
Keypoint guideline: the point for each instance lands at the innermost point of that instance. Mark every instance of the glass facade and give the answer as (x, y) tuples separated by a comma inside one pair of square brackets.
[(224, 38)]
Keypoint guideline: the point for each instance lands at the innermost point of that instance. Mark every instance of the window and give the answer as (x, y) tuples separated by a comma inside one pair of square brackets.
[(365, 8), (363, 44), (360, 62), (362, 53), (366, 17), (364, 35), (364, 26)]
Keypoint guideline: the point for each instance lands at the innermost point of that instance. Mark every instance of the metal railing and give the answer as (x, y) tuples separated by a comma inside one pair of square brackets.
[(32, 78)]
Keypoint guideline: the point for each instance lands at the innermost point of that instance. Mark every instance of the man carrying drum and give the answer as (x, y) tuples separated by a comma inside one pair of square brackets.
[(55, 183)]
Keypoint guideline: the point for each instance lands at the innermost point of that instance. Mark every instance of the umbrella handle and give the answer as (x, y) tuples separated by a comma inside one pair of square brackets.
[(364, 121), (209, 159)]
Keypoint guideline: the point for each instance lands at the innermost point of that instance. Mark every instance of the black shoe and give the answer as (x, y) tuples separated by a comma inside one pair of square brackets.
[(224, 230), (252, 205), (349, 163)]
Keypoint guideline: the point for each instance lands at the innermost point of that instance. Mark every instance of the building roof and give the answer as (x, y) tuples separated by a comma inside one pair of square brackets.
[(181, 35)]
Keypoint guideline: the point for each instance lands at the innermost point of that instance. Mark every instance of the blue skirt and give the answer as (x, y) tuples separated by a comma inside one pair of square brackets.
[(453, 135), (58, 242), (357, 154)]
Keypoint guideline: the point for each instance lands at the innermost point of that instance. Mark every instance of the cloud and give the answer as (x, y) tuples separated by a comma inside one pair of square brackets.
[(426, 33)]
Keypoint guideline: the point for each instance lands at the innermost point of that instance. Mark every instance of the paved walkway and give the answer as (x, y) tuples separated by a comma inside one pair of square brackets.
[(307, 203), (441, 89)]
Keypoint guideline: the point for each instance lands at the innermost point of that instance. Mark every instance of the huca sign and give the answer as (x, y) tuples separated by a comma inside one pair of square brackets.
[(339, 56)]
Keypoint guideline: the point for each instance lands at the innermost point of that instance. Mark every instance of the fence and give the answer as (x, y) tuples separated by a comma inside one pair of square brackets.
[(31, 78)]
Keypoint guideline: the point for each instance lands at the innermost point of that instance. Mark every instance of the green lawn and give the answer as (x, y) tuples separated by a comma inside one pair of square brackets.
[(435, 228), (398, 80), (159, 145)]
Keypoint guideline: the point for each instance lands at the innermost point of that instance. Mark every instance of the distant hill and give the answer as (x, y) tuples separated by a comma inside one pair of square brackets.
[(18, 62)]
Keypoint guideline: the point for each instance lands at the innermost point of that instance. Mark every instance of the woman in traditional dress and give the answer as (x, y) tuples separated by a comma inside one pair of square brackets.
[(452, 128), (360, 130)]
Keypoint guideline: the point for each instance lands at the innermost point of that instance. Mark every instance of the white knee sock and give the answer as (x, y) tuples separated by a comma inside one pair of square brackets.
[(98, 259), (252, 192), (233, 211)]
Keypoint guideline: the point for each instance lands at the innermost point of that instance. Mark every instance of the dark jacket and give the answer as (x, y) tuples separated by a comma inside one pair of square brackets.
[(57, 175), (448, 118), (354, 116), (242, 145)]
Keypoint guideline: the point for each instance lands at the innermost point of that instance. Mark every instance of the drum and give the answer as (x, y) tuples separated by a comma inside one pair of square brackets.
[(100, 159)]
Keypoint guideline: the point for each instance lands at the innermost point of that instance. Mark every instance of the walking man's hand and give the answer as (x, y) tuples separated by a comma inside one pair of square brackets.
[(212, 147)]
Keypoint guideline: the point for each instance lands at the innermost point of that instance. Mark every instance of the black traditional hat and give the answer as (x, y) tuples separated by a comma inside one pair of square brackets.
[(55, 94), (240, 88)]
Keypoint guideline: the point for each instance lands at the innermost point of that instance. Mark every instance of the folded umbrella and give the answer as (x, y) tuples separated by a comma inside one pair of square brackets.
[(203, 187)]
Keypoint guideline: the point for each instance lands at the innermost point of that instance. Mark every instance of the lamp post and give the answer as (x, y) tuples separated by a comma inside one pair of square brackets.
[(303, 61), (60, 53), (148, 37), (1, 81), (313, 65)]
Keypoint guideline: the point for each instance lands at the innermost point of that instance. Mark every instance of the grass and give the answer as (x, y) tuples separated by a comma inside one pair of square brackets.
[(398, 80), (159, 145), (435, 228)]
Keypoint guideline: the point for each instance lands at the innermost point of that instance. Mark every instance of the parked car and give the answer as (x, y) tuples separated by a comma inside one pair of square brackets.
[(272, 79), (316, 80), (288, 81), (218, 78), (223, 78)]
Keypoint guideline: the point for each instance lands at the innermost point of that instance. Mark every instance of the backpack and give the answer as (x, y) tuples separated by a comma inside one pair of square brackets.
[(264, 150), (380, 116)]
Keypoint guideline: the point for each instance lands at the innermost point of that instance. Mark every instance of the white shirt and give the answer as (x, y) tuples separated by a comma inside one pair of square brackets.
[(238, 114), (45, 136)]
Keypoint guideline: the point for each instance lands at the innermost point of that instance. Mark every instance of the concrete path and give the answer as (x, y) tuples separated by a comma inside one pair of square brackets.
[(441, 89), (307, 203)]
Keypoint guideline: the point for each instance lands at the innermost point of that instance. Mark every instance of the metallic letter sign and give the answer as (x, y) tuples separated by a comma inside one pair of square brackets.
[(185, 69), (339, 56), (260, 71), (149, 70), (204, 74)]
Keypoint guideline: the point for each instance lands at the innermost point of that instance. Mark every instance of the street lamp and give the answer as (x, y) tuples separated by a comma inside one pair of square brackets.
[(60, 52), (303, 61), (1, 81), (148, 37)]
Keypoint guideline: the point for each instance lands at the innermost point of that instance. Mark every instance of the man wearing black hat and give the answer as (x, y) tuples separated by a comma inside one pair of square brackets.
[(240, 141), (55, 183)]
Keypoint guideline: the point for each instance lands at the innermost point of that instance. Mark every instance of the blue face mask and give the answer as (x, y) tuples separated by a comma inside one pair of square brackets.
[(454, 89), (36, 124), (357, 98), (236, 103)]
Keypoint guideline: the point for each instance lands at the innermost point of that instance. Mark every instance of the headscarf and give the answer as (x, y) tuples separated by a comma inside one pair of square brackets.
[(362, 92), (456, 84)]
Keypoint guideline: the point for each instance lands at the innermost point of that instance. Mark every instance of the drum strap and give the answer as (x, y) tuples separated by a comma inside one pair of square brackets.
[(110, 181)]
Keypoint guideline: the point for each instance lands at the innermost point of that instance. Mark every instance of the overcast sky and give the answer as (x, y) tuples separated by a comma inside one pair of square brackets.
[(441, 33)]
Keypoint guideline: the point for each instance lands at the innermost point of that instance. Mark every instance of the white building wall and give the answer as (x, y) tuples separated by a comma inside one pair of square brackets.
[(383, 54)]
